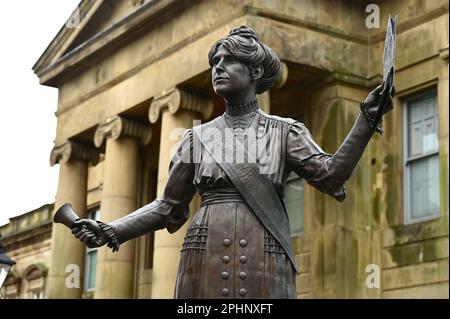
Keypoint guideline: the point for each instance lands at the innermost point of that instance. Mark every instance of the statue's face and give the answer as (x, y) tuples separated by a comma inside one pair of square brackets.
[(229, 76)]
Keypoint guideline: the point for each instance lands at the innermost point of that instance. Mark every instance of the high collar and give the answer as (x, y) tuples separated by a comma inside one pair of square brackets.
[(234, 110)]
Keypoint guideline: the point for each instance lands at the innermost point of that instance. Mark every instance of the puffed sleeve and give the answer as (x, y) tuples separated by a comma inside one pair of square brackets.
[(310, 162), (171, 209)]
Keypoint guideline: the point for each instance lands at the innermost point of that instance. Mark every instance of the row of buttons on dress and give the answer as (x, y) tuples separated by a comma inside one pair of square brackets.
[(226, 259)]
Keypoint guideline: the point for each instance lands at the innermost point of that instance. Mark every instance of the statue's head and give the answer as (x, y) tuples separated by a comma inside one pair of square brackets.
[(242, 62)]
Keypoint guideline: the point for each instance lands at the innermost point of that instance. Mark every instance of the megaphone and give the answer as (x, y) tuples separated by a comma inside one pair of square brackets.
[(65, 215)]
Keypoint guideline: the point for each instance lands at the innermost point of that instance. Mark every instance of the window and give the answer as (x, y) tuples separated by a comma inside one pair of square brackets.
[(90, 266), (34, 278), (293, 200), (421, 149)]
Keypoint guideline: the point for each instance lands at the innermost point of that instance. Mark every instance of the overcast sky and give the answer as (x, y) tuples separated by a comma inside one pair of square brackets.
[(28, 123)]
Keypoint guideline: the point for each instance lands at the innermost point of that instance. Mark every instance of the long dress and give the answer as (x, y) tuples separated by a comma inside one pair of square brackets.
[(227, 252)]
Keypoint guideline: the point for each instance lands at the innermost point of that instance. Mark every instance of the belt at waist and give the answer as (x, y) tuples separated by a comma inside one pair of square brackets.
[(221, 195)]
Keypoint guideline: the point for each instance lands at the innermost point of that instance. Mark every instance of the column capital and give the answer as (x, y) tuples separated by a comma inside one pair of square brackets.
[(118, 126), (71, 150), (175, 99)]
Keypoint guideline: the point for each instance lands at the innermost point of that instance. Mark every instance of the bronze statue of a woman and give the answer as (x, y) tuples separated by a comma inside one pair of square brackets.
[(238, 244)]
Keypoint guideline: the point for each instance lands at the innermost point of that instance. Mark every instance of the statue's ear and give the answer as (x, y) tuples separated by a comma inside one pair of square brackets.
[(257, 72)]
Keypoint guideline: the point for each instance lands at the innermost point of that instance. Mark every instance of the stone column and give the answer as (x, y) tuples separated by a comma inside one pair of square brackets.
[(73, 159), (115, 271), (178, 109)]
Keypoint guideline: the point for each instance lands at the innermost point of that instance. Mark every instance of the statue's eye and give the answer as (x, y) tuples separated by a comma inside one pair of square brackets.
[(225, 59)]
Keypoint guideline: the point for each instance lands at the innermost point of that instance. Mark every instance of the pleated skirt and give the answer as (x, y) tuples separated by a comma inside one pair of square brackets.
[(228, 254)]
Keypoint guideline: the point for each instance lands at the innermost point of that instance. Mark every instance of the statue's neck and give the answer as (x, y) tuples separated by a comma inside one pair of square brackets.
[(242, 109)]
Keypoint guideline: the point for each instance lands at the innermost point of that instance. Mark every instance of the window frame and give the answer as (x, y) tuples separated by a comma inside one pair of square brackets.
[(407, 215)]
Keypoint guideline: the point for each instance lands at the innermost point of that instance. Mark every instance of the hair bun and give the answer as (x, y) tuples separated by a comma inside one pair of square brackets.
[(245, 32)]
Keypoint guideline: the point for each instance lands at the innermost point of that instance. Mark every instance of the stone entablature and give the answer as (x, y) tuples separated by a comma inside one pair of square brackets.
[(26, 222)]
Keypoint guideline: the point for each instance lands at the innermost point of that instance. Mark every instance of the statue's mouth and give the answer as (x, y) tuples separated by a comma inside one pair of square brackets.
[(219, 78)]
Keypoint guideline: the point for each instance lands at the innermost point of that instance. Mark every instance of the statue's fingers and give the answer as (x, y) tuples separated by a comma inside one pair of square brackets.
[(83, 236), (78, 234), (88, 233), (81, 232), (79, 223), (89, 238), (379, 88)]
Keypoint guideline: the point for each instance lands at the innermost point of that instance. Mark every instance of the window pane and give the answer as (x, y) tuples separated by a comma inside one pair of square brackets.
[(415, 111), (430, 125), (294, 204), (415, 129), (91, 267), (422, 126), (430, 138), (94, 214), (424, 195), (429, 110), (416, 139)]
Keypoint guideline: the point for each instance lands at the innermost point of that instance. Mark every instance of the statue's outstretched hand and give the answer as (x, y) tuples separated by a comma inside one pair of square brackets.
[(372, 101), (89, 232)]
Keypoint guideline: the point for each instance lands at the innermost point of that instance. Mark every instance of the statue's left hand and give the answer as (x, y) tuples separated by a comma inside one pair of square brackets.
[(372, 101)]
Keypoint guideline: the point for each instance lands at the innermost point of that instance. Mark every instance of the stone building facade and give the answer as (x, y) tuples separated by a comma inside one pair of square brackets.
[(27, 240), (133, 74)]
